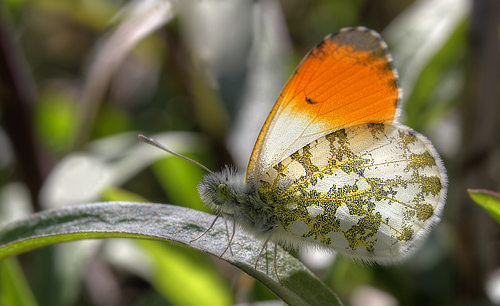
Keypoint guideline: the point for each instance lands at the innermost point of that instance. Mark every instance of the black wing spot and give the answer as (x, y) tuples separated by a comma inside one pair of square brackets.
[(310, 101)]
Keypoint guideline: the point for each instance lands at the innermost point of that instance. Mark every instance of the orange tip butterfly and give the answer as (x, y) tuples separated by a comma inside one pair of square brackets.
[(332, 168)]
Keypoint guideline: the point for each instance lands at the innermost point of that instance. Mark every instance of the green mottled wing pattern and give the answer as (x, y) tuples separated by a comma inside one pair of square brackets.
[(370, 191)]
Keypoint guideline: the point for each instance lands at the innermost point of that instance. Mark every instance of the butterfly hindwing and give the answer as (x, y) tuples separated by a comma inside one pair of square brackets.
[(369, 191)]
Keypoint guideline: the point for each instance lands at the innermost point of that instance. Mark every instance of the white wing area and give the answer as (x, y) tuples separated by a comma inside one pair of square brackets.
[(281, 138), (370, 191)]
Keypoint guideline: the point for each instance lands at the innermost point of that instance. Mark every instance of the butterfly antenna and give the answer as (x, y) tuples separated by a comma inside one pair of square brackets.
[(155, 143)]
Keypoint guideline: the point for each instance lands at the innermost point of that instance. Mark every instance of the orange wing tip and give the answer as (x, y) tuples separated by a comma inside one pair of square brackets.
[(359, 42), (367, 40), (349, 78)]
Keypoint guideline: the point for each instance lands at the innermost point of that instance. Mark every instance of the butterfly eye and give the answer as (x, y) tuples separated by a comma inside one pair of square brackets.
[(223, 191)]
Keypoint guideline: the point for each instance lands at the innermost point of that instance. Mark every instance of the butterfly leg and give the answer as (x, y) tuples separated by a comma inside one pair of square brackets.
[(262, 250), (230, 240), (207, 230), (275, 263)]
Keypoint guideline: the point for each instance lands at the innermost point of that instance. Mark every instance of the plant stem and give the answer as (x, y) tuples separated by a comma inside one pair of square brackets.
[(17, 98)]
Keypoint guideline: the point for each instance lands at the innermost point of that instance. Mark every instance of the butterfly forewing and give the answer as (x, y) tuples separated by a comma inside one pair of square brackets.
[(369, 191), (348, 79)]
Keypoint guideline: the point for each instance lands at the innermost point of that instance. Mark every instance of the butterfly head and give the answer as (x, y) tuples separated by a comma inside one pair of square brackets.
[(220, 191), (223, 191)]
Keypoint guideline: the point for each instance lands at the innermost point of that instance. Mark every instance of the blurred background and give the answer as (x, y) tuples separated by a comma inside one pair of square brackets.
[(80, 79)]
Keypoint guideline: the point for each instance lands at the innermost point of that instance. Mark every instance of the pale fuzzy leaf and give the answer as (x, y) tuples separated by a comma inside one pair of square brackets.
[(419, 33), (165, 222), (266, 76), (141, 18)]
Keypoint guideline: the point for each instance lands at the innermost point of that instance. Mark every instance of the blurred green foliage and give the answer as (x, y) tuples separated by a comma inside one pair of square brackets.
[(55, 120)]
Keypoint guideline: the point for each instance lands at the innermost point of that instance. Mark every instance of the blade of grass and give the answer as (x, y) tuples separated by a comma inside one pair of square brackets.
[(488, 200), (14, 288), (141, 18)]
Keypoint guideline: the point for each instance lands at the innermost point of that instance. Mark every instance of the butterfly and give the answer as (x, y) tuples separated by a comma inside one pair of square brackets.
[(332, 168)]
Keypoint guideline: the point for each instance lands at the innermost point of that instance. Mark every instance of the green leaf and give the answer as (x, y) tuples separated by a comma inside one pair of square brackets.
[(195, 278), (173, 223), (489, 200), (14, 289)]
